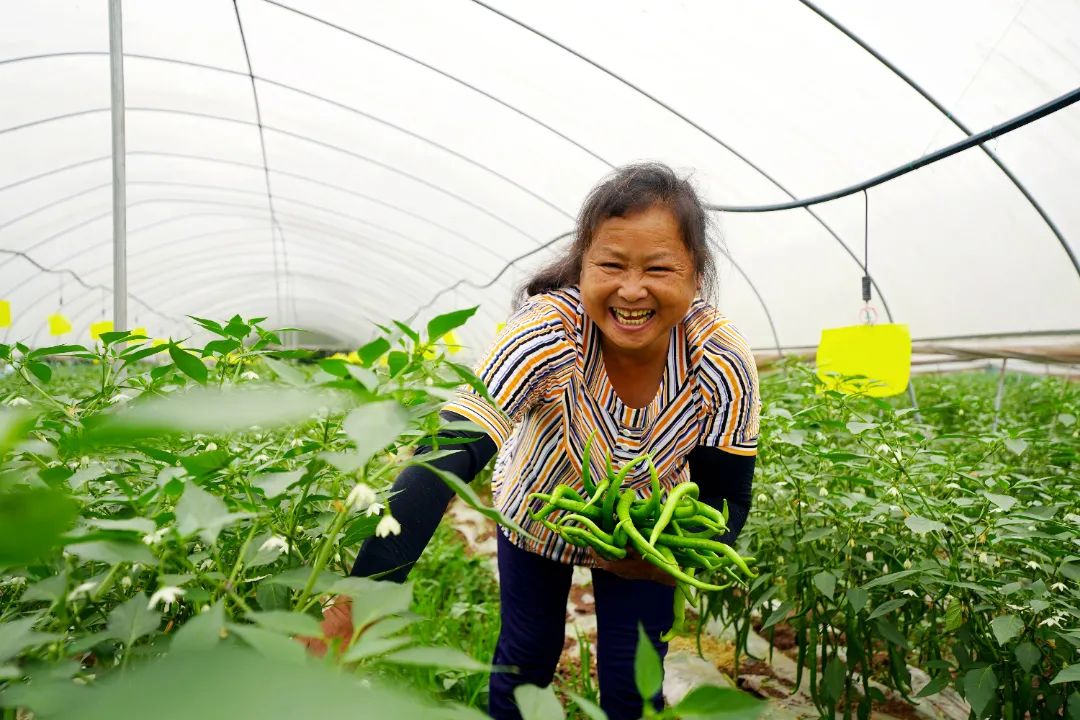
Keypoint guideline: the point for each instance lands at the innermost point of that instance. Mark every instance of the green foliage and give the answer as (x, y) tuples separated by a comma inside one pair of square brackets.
[(890, 538)]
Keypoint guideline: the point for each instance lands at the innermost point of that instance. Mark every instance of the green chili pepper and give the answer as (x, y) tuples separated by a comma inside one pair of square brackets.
[(588, 525), (586, 470), (682, 490), (637, 540)]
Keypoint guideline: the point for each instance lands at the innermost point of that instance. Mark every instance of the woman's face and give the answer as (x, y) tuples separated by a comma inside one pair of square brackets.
[(637, 281)]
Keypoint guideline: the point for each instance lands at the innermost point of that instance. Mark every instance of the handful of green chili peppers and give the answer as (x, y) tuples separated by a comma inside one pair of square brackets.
[(674, 533)]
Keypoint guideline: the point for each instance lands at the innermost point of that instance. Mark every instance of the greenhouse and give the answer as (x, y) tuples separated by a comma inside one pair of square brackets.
[(343, 344)]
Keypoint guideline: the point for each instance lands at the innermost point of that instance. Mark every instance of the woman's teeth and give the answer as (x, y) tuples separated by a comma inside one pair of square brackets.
[(632, 317)]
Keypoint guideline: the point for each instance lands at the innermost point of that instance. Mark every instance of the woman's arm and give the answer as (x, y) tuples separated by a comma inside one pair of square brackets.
[(418, 503), (724, 476)]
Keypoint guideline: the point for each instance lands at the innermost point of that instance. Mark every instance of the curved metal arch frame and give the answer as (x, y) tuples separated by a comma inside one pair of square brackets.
[(346, 240), (201, 186), (303, 138), (235, 163), (954, 120), (296, 220)]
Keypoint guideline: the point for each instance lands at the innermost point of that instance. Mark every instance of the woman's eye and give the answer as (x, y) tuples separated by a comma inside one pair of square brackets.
[(610, 265), (659, 269)]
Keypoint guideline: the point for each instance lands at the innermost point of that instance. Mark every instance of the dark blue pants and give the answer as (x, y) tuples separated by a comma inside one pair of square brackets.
[(533, 591)]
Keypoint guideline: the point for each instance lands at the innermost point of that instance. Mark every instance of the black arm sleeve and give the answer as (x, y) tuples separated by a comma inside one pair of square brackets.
[(420, 498), (724, 476)]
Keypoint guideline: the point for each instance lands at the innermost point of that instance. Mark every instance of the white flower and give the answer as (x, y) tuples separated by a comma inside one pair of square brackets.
[(374, 509), (211, 447), (206, 564), (1060, 587), (125, 582), (274, 544), (870, 556), (260, 458), (1017, 608), (165, 595), (119, 399), (249, 375), (909, 592), (81, 590), (1033, 565), (984, 558), (155, 537), (18, 402), (885, 568), (1053, 621), (296, 442), (388, 526), (907, 564), (893, 492), (762, 498), (823, 492), (360, 497)]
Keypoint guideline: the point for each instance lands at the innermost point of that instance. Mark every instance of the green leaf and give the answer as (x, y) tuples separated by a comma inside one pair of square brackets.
[(980, 686), (373, 599), (891, 578), (374, 350), (538, 703), (274, 484), (817, 534), (888, 631), (777, 615), (297, 577), (936, 685), (56, 350), (50, 589), (233, 682), (285, 372), (203, 631), (1004, 502), (466, 493), (855, 427), (442, 324), (832, 680), (887, 607), (270, 645), (1027, 655), (825, 582), (287, 623), (139, 525), (362, 375), (591, 709), (1016, 445), (441, 657), (717, 703), (1006, 627), (373, 426), (200, 511), (188, 364), (40, 370), (19, 635), (648, 672), (112, 552), (209, 411), (1069, 674), (31, 523), (857, 598), (369, 646), (132, 620), (954, 616), (415, 336), (920, 525)]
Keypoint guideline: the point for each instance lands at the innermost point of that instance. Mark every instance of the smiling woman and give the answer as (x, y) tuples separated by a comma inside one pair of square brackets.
[(610, 343)]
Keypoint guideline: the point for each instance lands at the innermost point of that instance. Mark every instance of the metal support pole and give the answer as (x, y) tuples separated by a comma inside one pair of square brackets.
[(116, 71), (1000, 394)]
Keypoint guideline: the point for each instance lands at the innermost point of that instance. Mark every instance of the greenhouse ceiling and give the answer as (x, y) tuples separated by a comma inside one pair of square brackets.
[(333, 165)]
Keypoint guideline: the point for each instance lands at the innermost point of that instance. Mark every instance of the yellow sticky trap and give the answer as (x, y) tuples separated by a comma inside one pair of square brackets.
[(59, 325), (353, 357), (139, 331), (156, 342), (879, 353), (99, 327), (5, 313), (337, 356), (451, 342)]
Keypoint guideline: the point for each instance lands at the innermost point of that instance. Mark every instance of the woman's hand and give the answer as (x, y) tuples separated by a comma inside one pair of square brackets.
[(634, 567), (337, 624)]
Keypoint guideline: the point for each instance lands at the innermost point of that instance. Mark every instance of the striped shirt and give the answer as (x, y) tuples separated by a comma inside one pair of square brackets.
[(546, 373)]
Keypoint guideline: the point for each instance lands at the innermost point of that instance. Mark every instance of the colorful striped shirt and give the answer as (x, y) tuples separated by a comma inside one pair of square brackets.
[(546, 373)]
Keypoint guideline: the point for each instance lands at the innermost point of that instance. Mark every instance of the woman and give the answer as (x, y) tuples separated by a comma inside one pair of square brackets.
[(610, 339)]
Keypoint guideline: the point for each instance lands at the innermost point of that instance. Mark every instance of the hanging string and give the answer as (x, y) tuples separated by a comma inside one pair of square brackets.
[(868, 312)]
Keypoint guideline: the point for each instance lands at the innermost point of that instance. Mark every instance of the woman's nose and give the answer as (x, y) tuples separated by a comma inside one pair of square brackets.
[(631, 289)]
